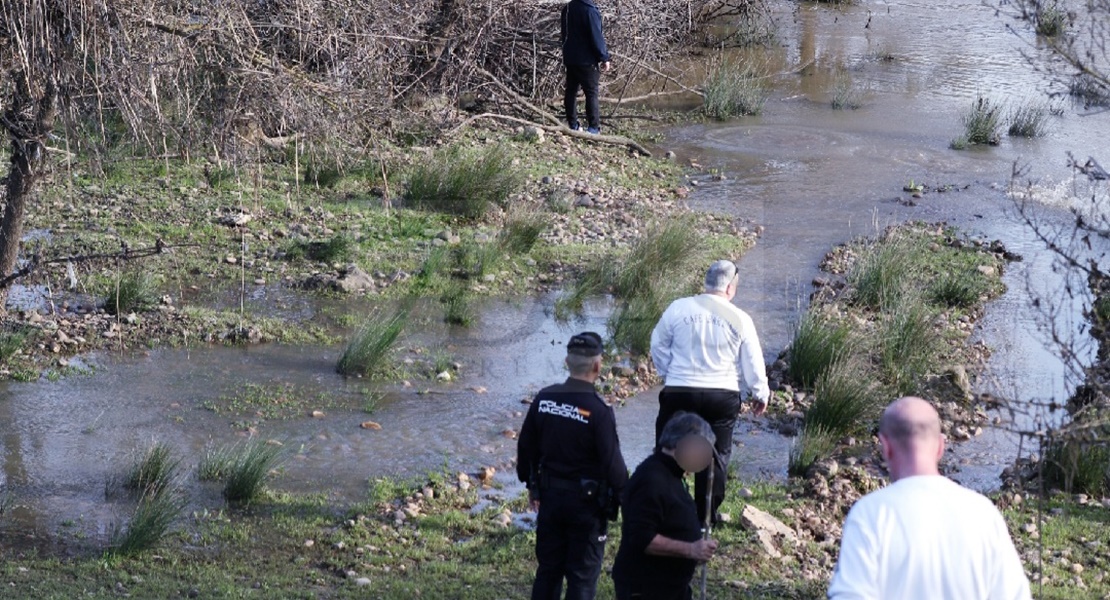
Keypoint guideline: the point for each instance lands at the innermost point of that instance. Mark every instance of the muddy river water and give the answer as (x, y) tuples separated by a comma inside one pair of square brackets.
[(812, 176)]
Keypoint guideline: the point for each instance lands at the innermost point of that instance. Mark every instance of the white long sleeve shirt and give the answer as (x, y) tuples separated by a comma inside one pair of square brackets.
[(705, 341), (927, 538)]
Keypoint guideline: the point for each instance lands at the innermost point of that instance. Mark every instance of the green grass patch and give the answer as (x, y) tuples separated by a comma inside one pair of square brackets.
[(249, 470), (881, 276), (908, 345), (846, 402), (660, 267), (11, 343), (959, 289), (154, 472), (1078, 466), (846, 95), (133, 291), (819, 343), (368, 352), (522, 231), (982, 123), (734, 90), (813, 443), (154, 514), (464, 182), (1028, 119), (1052, 19)]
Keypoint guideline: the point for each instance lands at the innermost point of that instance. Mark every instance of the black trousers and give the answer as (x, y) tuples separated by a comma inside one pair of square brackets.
[(719, 408), (586, 77), (570, 543)]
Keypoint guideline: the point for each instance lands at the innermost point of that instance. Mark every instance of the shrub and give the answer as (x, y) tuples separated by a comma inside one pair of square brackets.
[(734, 91), (133, 291), (1028, 120), (249, 469), (464, 183), (368, 351), (149, 524), (154, 472), (818, 344)]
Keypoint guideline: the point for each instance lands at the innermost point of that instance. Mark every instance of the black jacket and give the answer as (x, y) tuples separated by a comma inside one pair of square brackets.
[(656, 502), (580, 34), (572, 434)]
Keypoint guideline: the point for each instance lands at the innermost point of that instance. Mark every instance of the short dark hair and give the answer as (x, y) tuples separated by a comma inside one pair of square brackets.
[(681, 425)]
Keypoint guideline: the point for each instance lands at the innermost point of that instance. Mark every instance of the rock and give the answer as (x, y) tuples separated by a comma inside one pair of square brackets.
[(1076, 568), (960, 433), (354, 279), (546, 180), (230, 259), (309, 543), (448, 236), (534, 134), (317, 414), (957, 374), (584, 200), (746, 493), (509, 433), (238, 219), (757, 520), (362, 581), (444, 376), (370, 425), (826, 468), (766, 542), (670, 155), (987, 270), (485, 475)]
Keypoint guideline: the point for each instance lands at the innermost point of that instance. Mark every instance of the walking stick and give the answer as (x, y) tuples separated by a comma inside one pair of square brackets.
[(708, 525)]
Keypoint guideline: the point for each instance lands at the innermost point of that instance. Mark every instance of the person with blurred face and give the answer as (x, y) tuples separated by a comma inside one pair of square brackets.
[(661, 535), (924, 536)]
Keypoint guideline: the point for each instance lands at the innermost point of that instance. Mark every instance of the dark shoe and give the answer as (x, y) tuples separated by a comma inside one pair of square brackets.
[(575, 127), (594, 130)]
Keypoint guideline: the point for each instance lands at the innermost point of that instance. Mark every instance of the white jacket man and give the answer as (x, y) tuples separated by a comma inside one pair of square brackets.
[(707, 351)]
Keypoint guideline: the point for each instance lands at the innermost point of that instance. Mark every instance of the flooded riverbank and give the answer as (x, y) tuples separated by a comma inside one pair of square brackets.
[(812, 176)]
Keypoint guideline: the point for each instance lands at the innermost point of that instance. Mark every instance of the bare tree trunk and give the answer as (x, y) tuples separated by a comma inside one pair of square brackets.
[(28, 120)]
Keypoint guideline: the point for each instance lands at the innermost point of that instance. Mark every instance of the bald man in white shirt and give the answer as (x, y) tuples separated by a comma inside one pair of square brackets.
[(924, 536), (706, 350)]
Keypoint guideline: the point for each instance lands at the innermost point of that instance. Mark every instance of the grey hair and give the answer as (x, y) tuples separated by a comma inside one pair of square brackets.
[(580, 365), (720, 274), (683, 424)]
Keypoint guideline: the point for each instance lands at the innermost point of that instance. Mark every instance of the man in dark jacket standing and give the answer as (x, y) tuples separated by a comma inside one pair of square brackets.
[(585, 56), (569, 456)]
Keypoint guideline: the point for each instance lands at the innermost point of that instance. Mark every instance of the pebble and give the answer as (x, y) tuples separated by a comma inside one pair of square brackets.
[(362, 581)]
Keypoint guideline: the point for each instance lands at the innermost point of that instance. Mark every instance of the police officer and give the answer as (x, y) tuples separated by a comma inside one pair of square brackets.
[(569, 456)]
